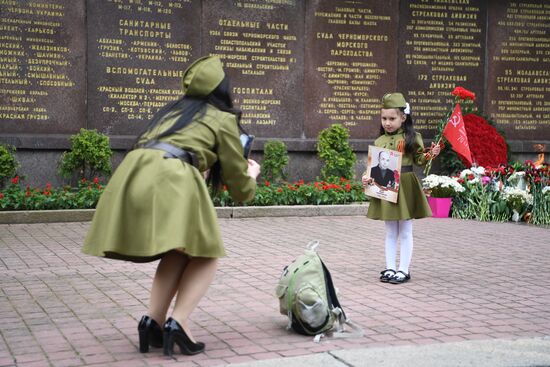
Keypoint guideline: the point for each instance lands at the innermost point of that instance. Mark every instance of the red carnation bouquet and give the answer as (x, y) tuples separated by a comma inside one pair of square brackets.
[(463, 94)]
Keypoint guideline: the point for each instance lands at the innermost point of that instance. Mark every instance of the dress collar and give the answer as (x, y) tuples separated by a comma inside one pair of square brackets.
[(396, 132)]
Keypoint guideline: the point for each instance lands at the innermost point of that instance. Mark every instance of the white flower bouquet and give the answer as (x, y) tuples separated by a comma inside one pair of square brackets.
[(441, 186), (517, 200)]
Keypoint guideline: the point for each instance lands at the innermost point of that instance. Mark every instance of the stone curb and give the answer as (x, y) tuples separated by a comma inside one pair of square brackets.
[(85, 215), (487, 353)]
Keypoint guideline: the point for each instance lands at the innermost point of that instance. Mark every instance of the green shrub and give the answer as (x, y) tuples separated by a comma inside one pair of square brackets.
[(300, 193), (274, 162), (87, 193), (90, 156), (333, 148), (8, 163)]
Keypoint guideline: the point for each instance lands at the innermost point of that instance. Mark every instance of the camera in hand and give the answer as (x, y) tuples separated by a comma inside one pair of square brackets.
[(246, 141)]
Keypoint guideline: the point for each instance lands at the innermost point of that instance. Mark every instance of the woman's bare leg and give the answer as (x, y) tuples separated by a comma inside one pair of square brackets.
[(194, 283), (165, 284)]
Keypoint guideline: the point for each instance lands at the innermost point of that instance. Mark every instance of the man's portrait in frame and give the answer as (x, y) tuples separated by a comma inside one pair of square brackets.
[(384, 167)]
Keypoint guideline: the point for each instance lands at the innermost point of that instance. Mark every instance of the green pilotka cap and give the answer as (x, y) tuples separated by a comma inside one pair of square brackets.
[(203, 76), (393, 100)]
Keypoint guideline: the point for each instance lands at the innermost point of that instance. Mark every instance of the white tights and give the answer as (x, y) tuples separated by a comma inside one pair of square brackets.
[(401, 229)]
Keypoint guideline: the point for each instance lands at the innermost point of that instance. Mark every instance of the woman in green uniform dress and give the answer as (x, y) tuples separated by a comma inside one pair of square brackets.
[(397, 133), (157, 206)]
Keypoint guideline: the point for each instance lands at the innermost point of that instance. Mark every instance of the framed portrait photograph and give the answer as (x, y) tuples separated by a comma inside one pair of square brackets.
[(384, 167)]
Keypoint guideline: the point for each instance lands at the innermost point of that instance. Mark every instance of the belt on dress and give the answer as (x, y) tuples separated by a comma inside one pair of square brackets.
[(172, 151), (405, 169)]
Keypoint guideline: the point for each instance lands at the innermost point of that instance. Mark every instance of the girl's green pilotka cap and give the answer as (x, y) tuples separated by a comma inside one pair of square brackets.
[(203, 76), (393, 100)]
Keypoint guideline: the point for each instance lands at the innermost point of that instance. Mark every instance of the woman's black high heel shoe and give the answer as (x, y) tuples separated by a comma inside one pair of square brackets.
[(174, 333), (150, 333)]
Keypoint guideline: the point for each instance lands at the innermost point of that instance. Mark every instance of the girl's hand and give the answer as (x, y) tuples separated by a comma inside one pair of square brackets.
[(435, 149), (366, 180), (253, 168)]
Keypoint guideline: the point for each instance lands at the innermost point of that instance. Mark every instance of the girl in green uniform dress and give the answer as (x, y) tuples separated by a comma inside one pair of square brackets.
[(397, 133), (157, 206)]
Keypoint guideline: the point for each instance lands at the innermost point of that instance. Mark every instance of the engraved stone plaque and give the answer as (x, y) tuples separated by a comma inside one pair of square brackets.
[(350, 64), (42, 66), (138, 51), (518, 83), (261, 46), (442, 45)]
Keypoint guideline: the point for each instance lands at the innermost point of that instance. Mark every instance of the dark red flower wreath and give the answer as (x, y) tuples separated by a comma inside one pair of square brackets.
[(488, 147)]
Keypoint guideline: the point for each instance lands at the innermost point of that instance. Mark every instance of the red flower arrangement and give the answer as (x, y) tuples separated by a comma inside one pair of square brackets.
[(537, 174), (487, 146), (464, 94)]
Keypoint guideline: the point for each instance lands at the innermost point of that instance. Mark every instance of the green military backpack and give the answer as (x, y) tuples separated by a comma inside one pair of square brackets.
[(308, 297)]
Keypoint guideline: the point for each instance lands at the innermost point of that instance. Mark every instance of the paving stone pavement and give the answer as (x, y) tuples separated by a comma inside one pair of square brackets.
[(470, 281)]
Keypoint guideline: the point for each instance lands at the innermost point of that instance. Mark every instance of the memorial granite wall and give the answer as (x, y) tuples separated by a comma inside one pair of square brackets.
[(297, 66)]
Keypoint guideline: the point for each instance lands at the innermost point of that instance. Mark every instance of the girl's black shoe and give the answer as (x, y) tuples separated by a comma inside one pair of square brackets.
[(150, 333), (400, 277), (386, 275), (174, 333)]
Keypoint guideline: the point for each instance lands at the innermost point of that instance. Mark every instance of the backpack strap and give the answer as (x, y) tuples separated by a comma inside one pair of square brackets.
[(338, 311), (331, 291), (356, 331), (312, 245)]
